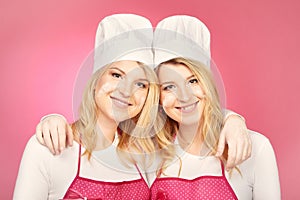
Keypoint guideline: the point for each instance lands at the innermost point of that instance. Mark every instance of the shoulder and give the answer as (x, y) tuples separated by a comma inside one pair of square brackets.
[(38, 151), (37, 159), (257, 137), (259, 141), (262, 150), (34, 147)]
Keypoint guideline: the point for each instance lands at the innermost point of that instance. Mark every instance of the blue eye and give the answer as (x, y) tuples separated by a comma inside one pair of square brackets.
[(192, 81), (116, 75), (169, 87), (140, 85)]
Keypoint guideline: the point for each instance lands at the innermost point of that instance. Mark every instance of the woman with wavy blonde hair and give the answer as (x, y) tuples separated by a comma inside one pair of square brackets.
[(117, 114), (190, 100), (211, 122), (135, 134)]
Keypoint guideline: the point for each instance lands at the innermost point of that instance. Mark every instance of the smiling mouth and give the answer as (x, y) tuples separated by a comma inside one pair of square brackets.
[(120, 103), (188, 108)]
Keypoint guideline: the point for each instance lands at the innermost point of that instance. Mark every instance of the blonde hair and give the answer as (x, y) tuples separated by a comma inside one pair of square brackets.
[(140, 134), (212, 118), (144, 133)]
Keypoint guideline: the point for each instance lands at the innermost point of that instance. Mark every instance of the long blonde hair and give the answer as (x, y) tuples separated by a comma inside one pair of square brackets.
[(212, 117), (140, 134)]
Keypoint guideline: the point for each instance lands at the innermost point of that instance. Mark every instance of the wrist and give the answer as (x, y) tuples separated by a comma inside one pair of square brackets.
[(53, 114), (230, 115)]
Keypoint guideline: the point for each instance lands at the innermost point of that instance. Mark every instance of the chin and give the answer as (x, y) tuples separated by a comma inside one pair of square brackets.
[(189, 122)]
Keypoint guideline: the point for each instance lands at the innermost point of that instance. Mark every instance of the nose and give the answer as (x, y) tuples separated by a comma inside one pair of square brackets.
[(184, 94), (124, 88)]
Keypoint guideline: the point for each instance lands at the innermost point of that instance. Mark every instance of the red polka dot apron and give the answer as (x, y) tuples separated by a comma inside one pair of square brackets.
[(204, 187), (88, 189)]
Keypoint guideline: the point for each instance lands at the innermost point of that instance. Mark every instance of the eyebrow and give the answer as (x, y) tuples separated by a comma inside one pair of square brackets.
[(170, 82), (117, 69), (167, 82), (191, 76), (143, 79)]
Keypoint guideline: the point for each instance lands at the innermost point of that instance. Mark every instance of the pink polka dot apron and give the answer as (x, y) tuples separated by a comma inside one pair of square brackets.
[(88, 189), (204, 187)]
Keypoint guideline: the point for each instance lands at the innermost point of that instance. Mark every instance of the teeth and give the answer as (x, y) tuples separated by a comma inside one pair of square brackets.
[(188, 107)]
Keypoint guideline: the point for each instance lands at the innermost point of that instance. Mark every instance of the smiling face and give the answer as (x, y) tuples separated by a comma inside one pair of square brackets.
[(181, 94), (121, 92)]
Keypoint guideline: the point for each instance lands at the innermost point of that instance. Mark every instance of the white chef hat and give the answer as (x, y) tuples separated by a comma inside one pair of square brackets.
[(187, 37), (181, 36), (118, 37), (123, 37)]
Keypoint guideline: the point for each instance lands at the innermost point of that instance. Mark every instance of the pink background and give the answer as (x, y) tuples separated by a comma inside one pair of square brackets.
[(254, 43)]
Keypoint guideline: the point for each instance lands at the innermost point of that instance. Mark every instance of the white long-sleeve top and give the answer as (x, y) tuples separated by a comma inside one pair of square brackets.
[(45, 176), (258, 178)]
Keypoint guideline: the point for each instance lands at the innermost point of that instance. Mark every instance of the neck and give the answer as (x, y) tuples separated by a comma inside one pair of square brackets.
[(106, 130), (190, 138)]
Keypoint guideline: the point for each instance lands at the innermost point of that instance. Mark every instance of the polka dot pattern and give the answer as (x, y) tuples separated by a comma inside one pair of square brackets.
[(83, 188), (166, 188), (205, 187), (88, 189)]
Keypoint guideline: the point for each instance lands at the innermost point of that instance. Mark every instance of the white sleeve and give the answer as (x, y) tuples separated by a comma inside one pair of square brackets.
[(53, 114), (266, 179), (227, 113), (33, 176)]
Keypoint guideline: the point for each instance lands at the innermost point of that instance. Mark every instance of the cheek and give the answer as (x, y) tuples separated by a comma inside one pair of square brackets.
[(102, 90), (168, 100), (198, 92), (105, 88), (140, 97), (142, 100)]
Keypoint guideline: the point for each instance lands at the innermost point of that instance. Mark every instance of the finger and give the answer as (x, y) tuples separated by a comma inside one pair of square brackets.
[(241, 148), (221, 144), (70, 136), (231, 156), (39, 134), (47, 138), (55, 140), (61, 136), (250, 148), (247, 154)]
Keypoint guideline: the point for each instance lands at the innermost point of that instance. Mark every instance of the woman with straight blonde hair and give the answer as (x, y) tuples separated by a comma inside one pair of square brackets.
[(192, 104), (118, 111), (195, 120)]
